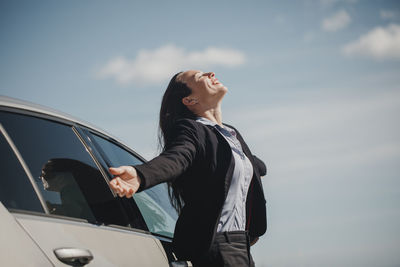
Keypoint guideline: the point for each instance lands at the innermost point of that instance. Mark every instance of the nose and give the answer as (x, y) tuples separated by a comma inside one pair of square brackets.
[(211, 74)]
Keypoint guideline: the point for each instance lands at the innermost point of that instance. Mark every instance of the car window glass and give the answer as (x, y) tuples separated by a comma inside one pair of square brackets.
[(66, 175), (153, 203), (16, 191)]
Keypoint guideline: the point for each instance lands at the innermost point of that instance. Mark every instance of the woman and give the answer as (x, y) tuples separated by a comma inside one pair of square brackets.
[(213, 178)]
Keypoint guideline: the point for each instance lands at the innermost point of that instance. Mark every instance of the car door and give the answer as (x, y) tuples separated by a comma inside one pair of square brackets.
[(76, 217), (154, 204)]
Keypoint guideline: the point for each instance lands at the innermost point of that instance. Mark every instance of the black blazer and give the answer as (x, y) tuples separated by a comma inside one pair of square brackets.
[(200, 160)]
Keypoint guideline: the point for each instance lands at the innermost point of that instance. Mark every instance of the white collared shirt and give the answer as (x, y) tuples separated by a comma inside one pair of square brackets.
[(233, 215)]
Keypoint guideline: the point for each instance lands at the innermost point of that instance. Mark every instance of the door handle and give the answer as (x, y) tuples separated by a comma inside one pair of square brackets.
[(74, 256), (180, 264)]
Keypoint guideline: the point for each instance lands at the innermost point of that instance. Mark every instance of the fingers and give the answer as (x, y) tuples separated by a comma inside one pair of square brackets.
[(126, 182), (121, 188), (116, 186), (116, 170), (124, 172), (130, 193)]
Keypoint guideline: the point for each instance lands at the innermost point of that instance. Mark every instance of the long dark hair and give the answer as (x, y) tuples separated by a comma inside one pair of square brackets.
[(171, 110)]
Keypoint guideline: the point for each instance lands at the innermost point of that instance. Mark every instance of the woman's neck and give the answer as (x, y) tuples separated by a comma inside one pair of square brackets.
[(214, 115)]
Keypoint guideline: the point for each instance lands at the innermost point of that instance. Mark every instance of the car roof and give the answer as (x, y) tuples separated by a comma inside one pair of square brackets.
[(36, 108)]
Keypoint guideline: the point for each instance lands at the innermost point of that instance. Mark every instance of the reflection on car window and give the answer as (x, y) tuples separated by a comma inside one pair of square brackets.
[(16, 191), (69, 180), (62, 176), (153, 203), (159, 216)]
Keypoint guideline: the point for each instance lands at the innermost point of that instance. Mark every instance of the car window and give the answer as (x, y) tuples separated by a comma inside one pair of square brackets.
[(16, 191), (153, 203), (68, 179)]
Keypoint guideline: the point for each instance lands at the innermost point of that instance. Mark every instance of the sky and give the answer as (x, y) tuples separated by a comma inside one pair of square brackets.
[(314, 88)]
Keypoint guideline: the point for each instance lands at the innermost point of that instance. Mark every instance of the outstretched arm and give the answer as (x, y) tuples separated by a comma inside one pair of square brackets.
[(167, 166)]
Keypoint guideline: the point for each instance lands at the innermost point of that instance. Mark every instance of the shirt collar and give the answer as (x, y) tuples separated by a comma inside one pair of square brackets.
[(206, 121), (223, 129)]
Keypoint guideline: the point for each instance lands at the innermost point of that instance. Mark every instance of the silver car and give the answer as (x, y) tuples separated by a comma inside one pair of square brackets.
[(56, 205)]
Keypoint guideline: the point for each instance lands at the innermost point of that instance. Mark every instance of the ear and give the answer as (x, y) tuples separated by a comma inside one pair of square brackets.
[(187, 101)]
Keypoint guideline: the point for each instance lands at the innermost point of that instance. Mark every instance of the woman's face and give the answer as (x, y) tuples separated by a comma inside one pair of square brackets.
[(206, 89)]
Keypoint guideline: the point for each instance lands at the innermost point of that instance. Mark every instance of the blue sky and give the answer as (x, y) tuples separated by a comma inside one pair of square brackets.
[(314, 87)]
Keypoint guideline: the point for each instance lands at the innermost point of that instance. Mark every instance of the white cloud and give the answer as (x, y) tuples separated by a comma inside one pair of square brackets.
[(379, 43), (336, 22), (155, 66)]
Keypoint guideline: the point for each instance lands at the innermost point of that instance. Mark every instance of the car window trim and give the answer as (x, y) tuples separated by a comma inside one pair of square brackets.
[(66, 121), (79, 135), (25, 167), (115, 142), (26, 112)]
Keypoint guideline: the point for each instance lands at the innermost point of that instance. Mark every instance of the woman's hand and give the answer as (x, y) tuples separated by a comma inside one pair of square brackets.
[(126, 181)]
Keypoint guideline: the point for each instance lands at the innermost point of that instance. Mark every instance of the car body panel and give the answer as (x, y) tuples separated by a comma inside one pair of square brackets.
[(17, 247), (109, 246)]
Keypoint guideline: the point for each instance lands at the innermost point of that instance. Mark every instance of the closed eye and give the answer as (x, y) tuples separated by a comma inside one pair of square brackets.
[(199, 75)]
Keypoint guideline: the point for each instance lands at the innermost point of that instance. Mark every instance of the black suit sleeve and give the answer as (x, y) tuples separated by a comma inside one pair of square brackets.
[(175, 160), (262, 168)]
